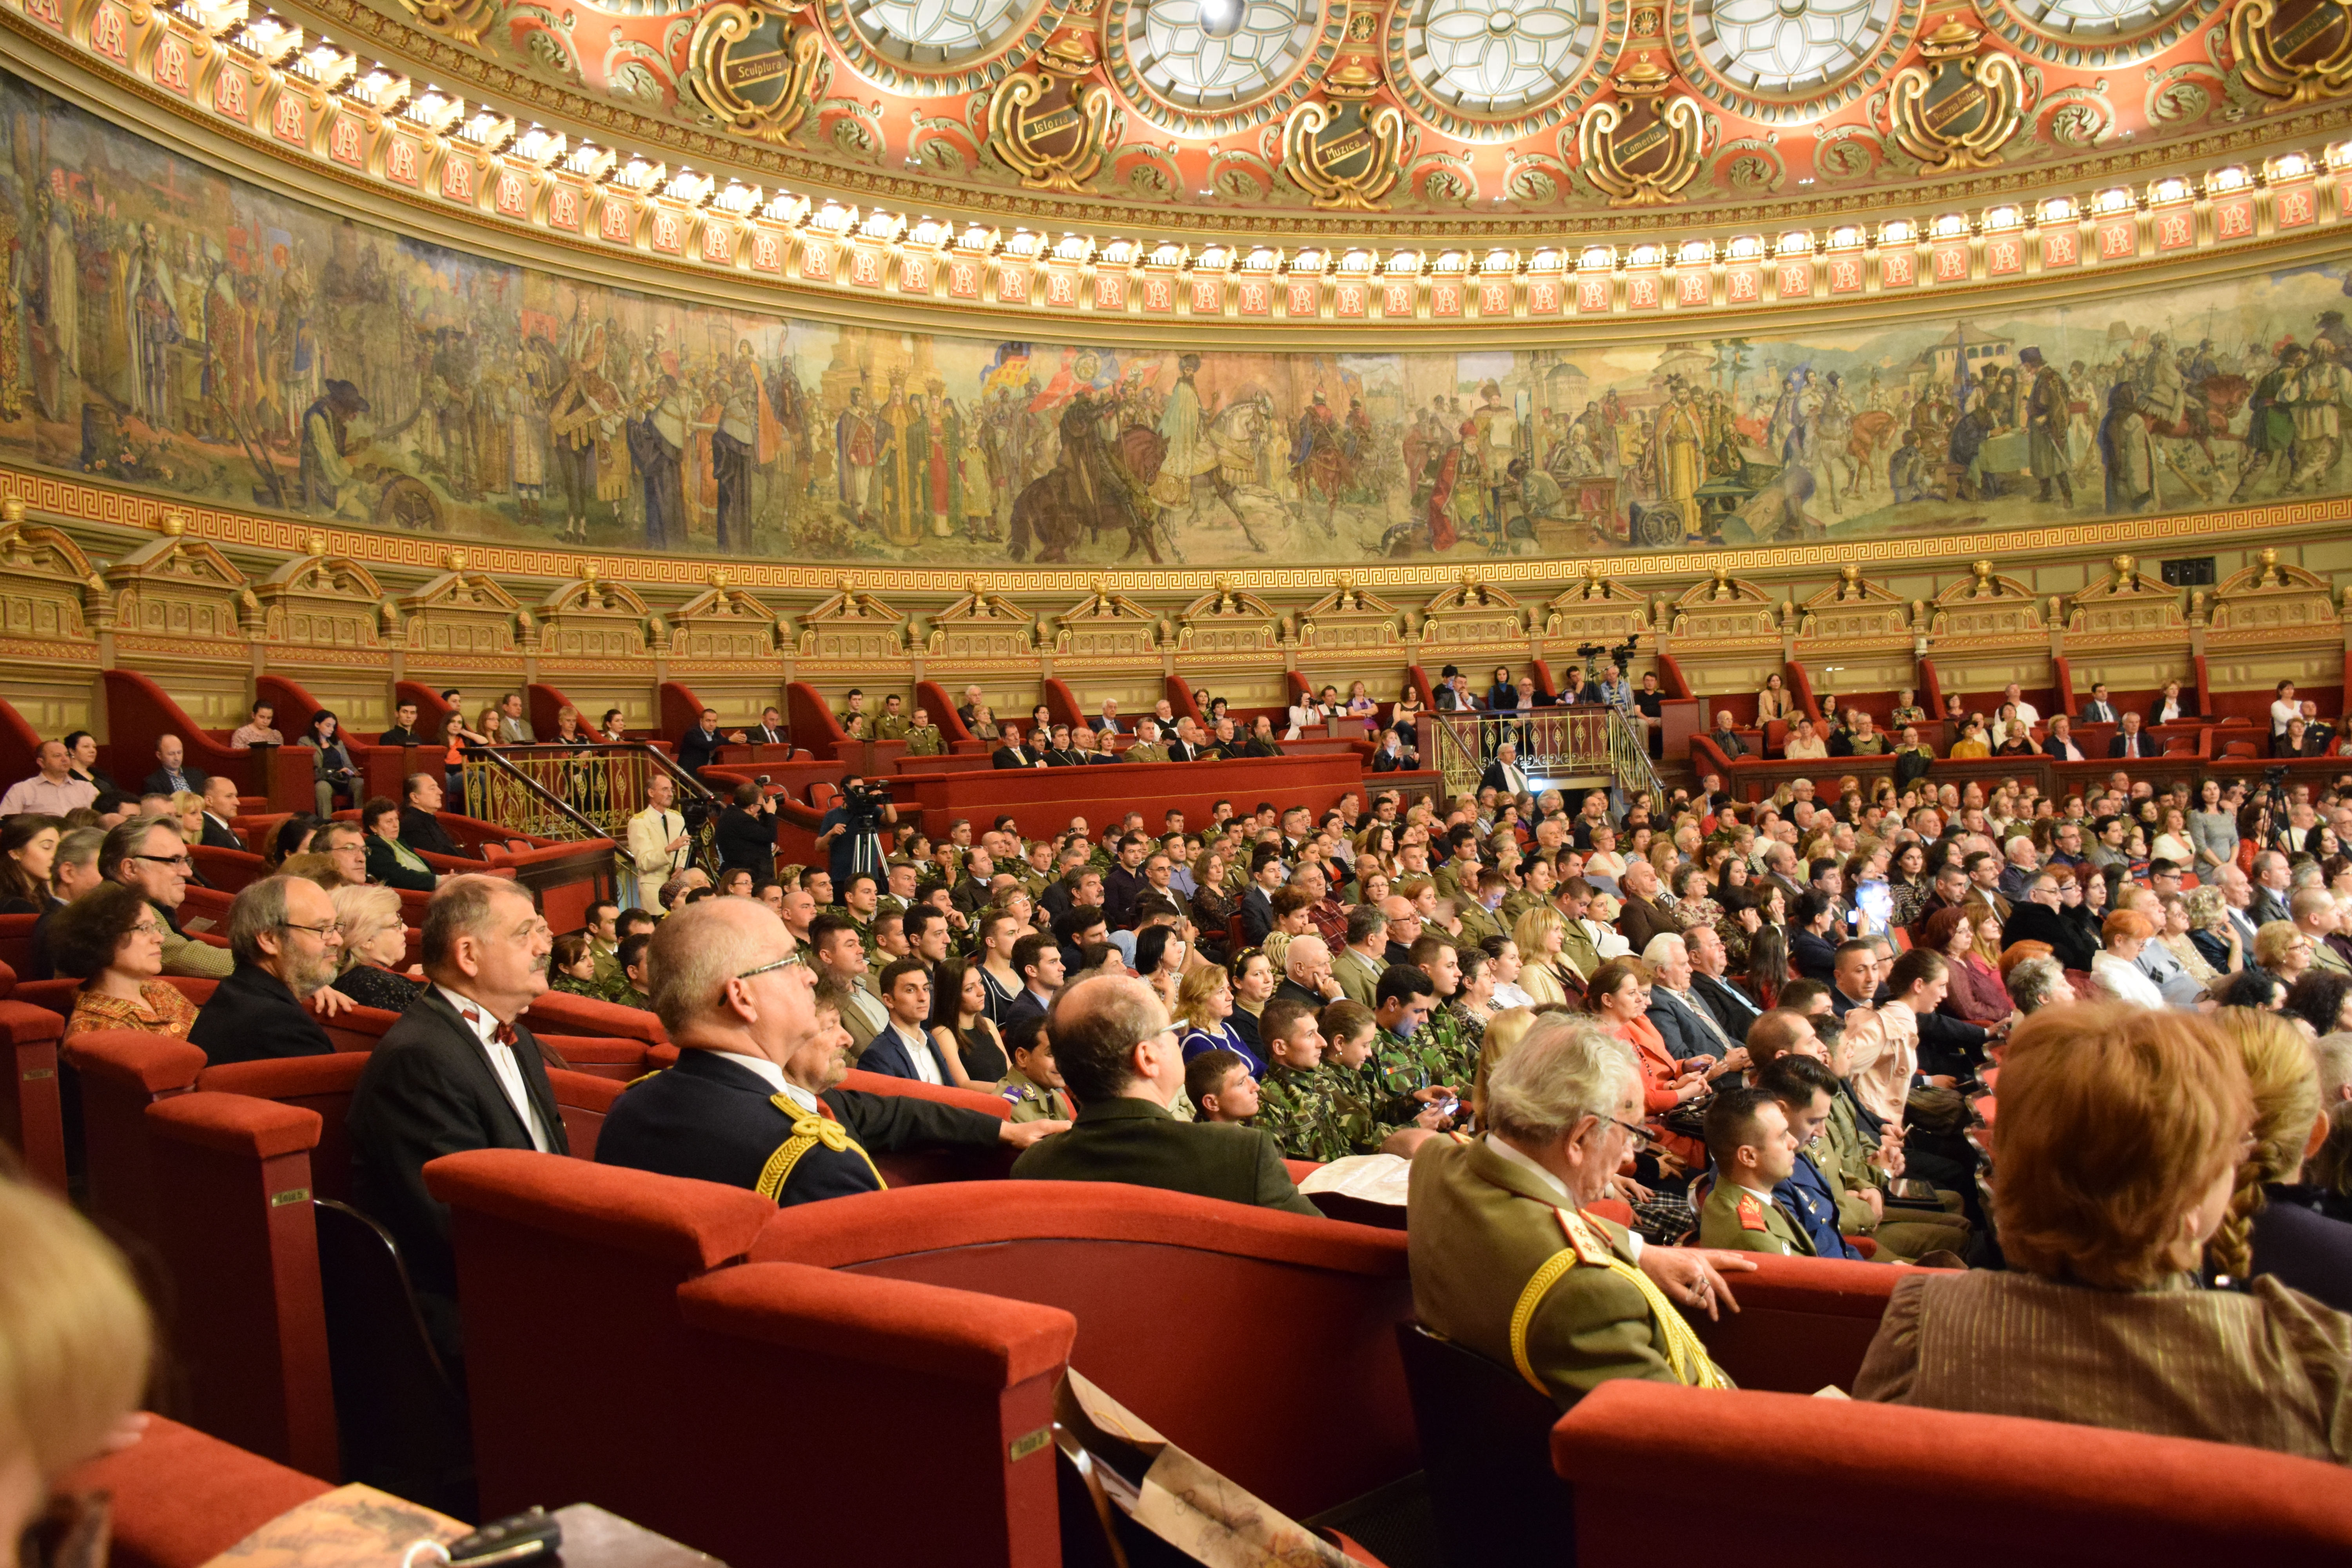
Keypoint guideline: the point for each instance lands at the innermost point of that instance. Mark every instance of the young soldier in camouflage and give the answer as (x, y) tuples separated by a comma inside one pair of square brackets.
[(1300, 1102), (1413, 1071)]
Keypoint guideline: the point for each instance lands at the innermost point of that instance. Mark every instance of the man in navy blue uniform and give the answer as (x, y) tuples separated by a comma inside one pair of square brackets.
[(754, 1100)]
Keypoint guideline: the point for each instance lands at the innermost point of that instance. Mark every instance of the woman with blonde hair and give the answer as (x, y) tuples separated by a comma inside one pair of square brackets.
[(1537, 933), (2211, 932), (2275, 1226), (2118, 1146), (1203, 1015), (2282, 948), (2176, 939), (75, 1343), (375, 943), (188, 811)]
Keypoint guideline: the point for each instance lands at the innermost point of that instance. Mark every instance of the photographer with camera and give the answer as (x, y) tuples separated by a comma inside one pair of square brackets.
[(850, 832), (747, 832)]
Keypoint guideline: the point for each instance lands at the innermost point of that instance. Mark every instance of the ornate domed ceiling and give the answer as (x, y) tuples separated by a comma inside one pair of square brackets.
[(1257, 120)]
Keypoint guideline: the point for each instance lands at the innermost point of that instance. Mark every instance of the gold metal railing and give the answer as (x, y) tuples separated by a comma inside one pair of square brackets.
[(1570, 748), (562, 793)]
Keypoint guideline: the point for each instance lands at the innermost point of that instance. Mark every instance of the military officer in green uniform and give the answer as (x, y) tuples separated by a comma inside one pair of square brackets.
[(1505, 1262), (923, 738), (893, 724), (1147, 747), (1747, 1137), (1034, 1088)]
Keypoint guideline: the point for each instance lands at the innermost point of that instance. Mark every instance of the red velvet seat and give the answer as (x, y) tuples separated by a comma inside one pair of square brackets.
[(620, 1060), (560, 1013), (2037, 1492), (180, 1499), (582, 1099), (1158, 1281), (16, 941), (318, 1084), (723, 1403), (915, 1167), (122, 1072), (31, 1117), (1803, 1323)]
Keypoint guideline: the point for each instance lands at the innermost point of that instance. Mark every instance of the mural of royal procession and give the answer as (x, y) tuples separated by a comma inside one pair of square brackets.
[(169, 328)]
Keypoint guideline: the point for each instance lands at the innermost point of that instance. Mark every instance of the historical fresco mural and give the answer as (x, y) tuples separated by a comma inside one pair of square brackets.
[(170, 328)]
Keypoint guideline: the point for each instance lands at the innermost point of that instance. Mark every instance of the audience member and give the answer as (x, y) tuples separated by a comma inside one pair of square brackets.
[(149, 854), (375, 947), (1220, 1086), (391, 862), (112, 942), (53, 790), (2118, 1144), (288, 945), (1118, 1052)]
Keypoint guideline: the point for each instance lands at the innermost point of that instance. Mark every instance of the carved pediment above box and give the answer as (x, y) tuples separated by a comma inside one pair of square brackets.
[(464, 614), (179, 588), (322, 601), (2270, 598), (1987, 607), (724, 623), (1852, 609), (49, 590), (1595, 608), (594, 619), (1105, 624), (1471, 614), (852, 626), (1349, 618), (2125, 603), (1225, 621), (1722, 609), (981, 626)]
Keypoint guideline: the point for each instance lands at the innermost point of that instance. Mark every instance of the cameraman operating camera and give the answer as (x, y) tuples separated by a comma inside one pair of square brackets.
[(850, 832)]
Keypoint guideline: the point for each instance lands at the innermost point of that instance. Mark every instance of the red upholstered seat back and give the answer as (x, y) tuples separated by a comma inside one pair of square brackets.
[(916, 1167), (178, 1498), (560, 1013), (1802, 1323), (2040, 1494), (1156, 1280), (235, 1237), (582, 1098), (32, 1117), (320, 1084), (122, 1072), (620, 1060), (227, 870), (359, 1028), (16, 941), (709, 1388)]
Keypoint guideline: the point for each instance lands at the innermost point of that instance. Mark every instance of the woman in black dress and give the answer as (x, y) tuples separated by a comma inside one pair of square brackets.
[(958, 1022)]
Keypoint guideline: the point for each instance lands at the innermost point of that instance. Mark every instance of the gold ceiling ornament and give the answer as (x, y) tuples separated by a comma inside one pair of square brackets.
[(461, 21), (1642, 147), (1051, 126), (753, 67), (2300, 51), (1345, 152), (1956, 111)]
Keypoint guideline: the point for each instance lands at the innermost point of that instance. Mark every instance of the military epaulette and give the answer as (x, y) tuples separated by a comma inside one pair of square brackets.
[(809, 1130), (642, 1076), (1752, 1214)]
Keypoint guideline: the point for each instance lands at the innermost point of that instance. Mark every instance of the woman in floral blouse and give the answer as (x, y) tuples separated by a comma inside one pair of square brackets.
[(112, 940)]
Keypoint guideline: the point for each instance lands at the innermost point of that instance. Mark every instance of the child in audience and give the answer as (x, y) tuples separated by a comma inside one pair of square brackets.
[(1220, 1086), (1034, 1088)]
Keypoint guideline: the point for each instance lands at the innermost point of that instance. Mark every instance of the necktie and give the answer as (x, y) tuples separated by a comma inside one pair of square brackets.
[(503, 1035)]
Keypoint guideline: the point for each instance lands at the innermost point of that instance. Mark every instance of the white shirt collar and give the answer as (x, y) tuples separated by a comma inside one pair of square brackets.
[(483, 1023)]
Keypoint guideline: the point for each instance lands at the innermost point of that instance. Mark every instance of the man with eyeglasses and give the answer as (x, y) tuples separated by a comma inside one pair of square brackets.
[(148, 854), (1505, 1260), (755, 1100), (283, 936), (457, 1073)]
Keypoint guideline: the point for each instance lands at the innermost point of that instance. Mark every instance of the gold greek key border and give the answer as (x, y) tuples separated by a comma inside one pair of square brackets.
[(61, 497)]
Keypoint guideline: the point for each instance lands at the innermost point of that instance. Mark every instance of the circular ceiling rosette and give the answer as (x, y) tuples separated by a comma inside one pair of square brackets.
[(1210, 68), (1496, 70), (932, 48), (1782, 62), (2093, 35)]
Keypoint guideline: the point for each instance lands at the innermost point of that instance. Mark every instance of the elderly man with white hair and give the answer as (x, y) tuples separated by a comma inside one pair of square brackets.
[(1307, 972), (755, 1099), (1505, 1262)]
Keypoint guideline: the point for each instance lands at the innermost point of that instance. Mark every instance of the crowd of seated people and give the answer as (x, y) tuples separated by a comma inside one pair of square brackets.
[(1764, 1028)]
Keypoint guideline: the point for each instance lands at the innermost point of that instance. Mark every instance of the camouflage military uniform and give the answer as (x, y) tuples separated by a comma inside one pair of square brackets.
[(1031, 1101), (1297, 1109), (1409, 1065), (1444, 1034), (924, 740), (1355, 1096)]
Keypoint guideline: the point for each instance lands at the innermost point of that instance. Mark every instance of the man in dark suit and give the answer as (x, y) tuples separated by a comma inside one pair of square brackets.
[(1504, 774), (761, 1056), (696, 745), (281, 931), (769, 731), (1680, 1018), (404, 726), (1013, 755), (2131, 741), (903, 1046), (2098, 709), (1257, 904), (172, 773), (1118, 1056), (1812, 941), (420, 825), (220, 804), (1642, 919), (1037, 959), (455, 1073), (1727, 739), (1185, 746)]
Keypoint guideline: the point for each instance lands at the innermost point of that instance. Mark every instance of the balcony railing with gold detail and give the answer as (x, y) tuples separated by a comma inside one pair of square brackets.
[(1584, 747), (574, 793)]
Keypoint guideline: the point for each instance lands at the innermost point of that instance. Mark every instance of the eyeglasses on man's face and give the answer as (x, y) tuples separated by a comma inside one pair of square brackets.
[(795, 958), (181, 861)]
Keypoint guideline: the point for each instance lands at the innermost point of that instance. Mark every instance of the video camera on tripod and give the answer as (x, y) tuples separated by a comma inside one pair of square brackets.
[(1621, 656)]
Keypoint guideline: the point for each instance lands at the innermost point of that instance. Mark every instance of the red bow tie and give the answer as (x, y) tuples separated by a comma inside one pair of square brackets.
[(503, 1035)]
